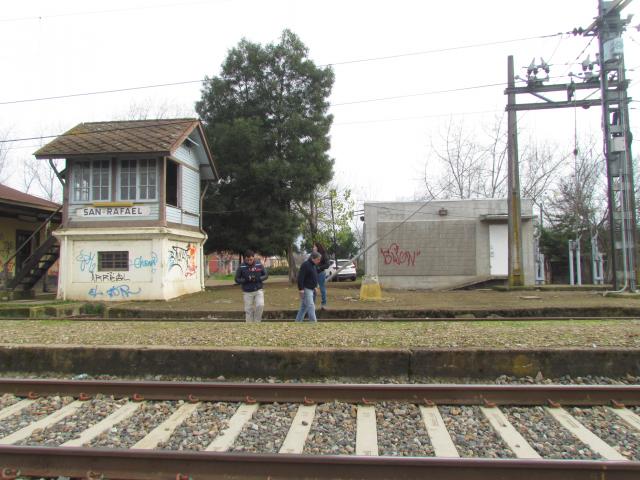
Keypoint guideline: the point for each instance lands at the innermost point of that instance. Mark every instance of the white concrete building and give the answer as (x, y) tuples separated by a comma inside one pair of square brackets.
[(131, 223), (446, 243)]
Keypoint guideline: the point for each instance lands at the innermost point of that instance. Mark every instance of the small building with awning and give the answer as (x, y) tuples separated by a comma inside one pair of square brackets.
[(131, 219), (27, 250)]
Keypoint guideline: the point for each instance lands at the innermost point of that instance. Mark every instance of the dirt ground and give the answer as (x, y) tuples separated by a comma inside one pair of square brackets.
[(345, 295)]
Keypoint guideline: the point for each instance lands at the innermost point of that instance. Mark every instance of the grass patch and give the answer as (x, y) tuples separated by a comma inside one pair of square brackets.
[(402, 335)]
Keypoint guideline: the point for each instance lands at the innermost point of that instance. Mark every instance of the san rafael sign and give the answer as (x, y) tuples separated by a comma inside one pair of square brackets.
[(137, 211)]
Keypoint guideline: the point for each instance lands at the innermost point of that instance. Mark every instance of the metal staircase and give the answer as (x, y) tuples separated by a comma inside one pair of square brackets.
[(36, 265)]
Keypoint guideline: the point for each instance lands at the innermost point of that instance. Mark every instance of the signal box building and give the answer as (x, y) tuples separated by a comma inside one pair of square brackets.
[(131, 218)]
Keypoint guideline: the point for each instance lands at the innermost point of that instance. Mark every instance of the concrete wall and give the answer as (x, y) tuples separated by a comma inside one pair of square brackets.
[(445, 243), (163, 263)]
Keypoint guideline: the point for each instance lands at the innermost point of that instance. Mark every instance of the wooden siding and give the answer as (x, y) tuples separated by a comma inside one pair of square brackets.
[(174, 215), (190, 219), (187, 155), (190, 191)]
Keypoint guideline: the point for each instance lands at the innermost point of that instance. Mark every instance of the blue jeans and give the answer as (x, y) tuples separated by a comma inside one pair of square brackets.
[(323, 287), (307, 306)]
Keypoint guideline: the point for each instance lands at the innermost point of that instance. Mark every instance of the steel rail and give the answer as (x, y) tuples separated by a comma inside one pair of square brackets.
[(155, 464), (325, 392)]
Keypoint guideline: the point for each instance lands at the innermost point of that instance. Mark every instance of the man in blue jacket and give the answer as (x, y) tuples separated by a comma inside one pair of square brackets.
[(250, 275), (307, 284)]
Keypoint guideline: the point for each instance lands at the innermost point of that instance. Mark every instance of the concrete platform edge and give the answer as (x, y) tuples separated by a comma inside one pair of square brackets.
[(317, 363)]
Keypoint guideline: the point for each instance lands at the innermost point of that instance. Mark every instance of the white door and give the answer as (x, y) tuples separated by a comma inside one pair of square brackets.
[(498, 249)]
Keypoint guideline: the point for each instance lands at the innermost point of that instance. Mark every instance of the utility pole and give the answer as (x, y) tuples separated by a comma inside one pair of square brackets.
[(612, 85), (516, 275), (617, 141)]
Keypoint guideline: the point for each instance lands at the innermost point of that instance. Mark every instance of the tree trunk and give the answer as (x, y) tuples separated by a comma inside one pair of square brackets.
[(293, 270)]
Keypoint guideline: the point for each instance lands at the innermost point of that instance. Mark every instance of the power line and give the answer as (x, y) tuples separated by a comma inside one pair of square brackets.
[(417, 117), (433, 92), (371, 59), (99, 92), (440, 50)]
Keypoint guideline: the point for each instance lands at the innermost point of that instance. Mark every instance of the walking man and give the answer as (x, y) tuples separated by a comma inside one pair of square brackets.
[(307, 284), (250, 274)]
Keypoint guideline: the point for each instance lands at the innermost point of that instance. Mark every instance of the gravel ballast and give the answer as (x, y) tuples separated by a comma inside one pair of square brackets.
[(202, 427), (472, 433), (135, 428), (546, 435), (401, 430), (267, 429), (92, 412), (39, 409), (610, 428), (333, 431)]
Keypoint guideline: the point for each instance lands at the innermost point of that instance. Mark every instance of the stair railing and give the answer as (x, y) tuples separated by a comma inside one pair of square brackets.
[(24, 244)]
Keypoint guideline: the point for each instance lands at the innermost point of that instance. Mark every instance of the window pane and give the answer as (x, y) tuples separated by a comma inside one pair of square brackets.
[(128, 179), (100, 180), (113, 261), (81, 181), (147, 179)]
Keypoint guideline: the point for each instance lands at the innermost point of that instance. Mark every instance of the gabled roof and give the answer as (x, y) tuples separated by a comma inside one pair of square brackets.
[(16, 197), (124, 137)]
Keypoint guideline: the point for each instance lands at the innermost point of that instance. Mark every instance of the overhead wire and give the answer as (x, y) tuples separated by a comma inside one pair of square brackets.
[(370, 59)]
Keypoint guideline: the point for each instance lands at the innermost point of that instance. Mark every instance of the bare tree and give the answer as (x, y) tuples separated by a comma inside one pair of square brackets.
[(39, 173), (478, 169), (579, 201), (4, 155), (460, 157), (539, 166), (150, 109), (494, 174)]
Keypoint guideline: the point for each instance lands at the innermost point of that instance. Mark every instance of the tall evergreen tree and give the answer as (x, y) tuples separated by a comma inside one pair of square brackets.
[(266, 120)]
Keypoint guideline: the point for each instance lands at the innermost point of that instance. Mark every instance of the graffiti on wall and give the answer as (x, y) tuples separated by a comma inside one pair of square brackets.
[(103, 277), (151, 262), (184, 258), (395, 255), (115, 291), (87, 261)]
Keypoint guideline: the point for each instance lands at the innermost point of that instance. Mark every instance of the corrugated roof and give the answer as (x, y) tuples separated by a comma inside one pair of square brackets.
[(17, 197), (130, 136)]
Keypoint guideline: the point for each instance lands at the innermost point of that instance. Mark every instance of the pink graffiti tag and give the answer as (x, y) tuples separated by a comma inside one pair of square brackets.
[(394, 255)]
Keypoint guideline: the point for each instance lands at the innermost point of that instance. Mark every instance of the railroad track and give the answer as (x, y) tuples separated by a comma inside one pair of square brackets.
[(135, 430)]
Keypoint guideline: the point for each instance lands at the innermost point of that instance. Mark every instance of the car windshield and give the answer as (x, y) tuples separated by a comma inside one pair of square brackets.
[(342, 263)]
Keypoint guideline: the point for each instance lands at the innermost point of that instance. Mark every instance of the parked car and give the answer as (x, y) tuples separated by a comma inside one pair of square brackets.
[(347, 273)]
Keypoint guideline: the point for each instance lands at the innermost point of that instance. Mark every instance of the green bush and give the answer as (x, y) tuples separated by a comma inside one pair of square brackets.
[(278, 271)]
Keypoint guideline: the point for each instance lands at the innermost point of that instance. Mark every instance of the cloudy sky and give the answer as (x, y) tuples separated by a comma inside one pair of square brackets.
[(404, 69)]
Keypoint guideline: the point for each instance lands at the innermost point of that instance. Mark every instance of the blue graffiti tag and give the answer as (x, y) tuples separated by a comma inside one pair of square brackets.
[(123, 291), (87, 261), (94, 292), (141, 262)]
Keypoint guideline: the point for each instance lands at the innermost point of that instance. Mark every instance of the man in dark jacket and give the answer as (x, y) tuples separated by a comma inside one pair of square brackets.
[(307, 284), (250, 275)]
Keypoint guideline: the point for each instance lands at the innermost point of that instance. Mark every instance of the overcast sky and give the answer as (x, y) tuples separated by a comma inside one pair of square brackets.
[(51, 48)]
